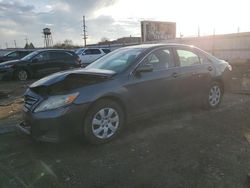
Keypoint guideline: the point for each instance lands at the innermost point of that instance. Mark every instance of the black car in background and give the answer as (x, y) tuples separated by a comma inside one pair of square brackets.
[(38, 64), (17, 54), (125, 84)]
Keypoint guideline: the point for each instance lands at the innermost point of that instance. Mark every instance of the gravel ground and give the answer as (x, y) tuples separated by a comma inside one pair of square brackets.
[(188, 148)]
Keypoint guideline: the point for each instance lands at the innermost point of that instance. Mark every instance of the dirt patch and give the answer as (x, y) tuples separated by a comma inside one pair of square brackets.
[(10, 109), (11, 101), (240, 81)]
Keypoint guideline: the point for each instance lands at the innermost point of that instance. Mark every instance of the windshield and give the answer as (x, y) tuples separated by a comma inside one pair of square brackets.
[(79, 51), (117, 60), (8, 53), (29, 56)]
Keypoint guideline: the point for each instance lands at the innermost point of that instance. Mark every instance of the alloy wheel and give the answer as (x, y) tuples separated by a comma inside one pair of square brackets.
[(214, 95), (105, 123), (22, 75)]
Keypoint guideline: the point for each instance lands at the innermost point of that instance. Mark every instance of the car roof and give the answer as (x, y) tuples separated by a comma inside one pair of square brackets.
[(146, 46), (58, 50)]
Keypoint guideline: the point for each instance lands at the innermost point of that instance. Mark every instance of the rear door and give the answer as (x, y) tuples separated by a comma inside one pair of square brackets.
[(67, 60), (195, 73), (157, 89), (57, 61)]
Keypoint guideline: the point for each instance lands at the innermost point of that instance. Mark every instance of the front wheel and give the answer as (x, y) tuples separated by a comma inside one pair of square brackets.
[(21, 75), (103, 122), (214, 96)]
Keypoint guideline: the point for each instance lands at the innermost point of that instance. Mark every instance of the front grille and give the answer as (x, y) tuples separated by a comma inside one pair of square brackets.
[(29, 102)]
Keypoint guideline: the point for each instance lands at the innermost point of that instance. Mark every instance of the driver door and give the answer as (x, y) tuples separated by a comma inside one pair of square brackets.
[(156, 89)]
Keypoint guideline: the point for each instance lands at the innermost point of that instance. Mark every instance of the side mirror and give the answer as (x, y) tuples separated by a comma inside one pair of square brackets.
[(145, 68)]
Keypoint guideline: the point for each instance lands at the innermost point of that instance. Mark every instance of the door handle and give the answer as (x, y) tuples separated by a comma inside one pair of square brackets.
[(210, 68), (175, 75)]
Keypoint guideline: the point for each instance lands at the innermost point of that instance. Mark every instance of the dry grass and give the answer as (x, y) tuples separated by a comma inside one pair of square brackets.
[(10, 109)]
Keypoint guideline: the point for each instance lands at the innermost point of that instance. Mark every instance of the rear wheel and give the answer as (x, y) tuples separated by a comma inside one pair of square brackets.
[(103, 122), (22, 75), (214, 96)]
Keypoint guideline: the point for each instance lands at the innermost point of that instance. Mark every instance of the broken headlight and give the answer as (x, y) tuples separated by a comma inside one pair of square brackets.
[(56, 101)]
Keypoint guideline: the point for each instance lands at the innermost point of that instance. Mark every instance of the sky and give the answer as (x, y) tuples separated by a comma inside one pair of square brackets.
[(112, 19)]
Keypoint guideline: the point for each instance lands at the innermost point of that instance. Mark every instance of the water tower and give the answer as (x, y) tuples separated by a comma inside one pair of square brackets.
[(48, 42)]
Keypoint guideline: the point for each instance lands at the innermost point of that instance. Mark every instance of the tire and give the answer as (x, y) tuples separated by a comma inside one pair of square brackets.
[(21, 75), (213, 96), (103, 122)]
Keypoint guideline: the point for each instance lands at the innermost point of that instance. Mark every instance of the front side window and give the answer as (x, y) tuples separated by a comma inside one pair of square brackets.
[(187, 58), (160, 59), (30, 56)]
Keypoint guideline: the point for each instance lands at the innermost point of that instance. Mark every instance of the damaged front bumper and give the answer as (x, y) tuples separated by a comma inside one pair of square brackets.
[(53, 125), (47, 137)]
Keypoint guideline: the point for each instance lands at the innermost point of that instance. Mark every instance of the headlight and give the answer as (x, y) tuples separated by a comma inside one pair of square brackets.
[(57, 101)]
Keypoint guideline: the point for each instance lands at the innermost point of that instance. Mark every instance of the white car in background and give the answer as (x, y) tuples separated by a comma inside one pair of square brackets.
[(79, 51), (89, 55)]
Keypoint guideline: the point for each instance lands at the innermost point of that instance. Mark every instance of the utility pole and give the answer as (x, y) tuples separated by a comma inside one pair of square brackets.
[(213, 41), (15, 43), (198, 30), (84, 31)]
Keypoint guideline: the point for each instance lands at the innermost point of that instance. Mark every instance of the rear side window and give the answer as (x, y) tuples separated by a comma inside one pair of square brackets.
[(92, 51), (160, 59), (106, 51), (61, 55), (187, 58), (68, 57)]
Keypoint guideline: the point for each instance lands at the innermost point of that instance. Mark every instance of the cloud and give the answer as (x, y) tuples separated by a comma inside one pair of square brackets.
[(27, 19), (108, 27)]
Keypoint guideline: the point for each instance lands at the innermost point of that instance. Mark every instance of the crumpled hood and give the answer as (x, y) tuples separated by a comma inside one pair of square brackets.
[(61, 76)]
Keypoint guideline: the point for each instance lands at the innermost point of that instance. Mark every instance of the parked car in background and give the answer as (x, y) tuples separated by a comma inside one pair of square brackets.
[(125, 84), (38, 64), (17, 54), (89, 55), (79, 51)]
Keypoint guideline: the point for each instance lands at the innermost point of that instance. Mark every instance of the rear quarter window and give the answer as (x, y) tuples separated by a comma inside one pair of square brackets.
[(106, 51)]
